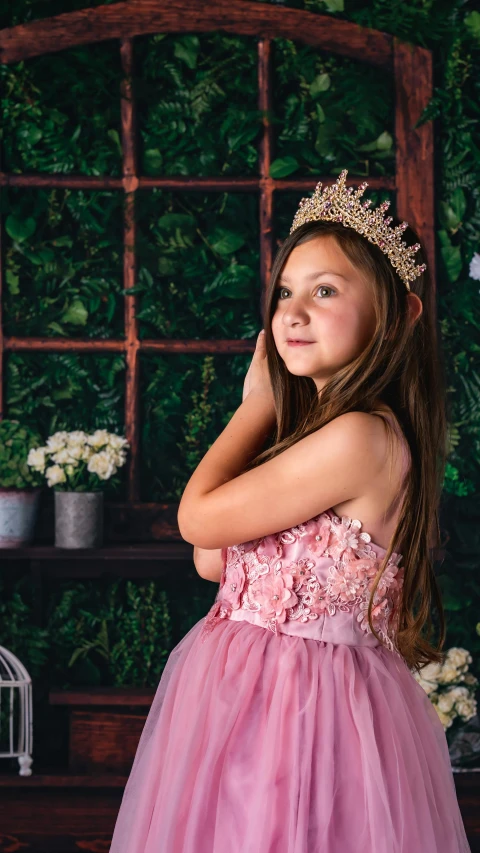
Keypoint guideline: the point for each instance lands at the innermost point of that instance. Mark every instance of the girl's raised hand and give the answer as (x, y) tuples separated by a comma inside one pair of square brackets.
[(257, 377)]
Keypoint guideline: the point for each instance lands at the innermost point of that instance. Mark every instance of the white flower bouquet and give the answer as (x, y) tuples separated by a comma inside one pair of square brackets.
[(450, 687), (78, 461)]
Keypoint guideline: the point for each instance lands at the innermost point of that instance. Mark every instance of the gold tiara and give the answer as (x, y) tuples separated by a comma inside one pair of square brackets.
[(339, 204)]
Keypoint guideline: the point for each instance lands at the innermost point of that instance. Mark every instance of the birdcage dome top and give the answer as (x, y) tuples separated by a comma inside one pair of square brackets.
[(12, 670)]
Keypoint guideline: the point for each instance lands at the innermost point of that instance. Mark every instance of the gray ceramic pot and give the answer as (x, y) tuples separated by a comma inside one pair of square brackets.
[(78, 519), (18, 513)]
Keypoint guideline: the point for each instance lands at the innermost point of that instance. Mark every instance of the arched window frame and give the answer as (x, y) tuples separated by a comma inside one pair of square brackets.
[(413, 182)]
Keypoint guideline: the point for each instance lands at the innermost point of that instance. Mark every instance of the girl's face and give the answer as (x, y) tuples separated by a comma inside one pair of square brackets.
[(321, 298)]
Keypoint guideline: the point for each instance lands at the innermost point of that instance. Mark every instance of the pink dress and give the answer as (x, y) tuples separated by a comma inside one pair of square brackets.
[(282, 725)]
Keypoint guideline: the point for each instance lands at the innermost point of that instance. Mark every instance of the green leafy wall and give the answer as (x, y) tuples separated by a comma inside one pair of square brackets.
[(198, 275)]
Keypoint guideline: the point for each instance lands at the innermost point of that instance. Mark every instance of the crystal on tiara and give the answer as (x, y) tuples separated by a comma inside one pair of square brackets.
[(338, 204)]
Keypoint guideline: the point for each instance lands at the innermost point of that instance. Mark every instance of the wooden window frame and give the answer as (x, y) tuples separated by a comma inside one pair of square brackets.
[(413, 181)]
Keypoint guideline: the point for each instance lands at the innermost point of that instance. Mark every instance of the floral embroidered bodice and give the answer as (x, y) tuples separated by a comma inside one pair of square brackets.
[(314, 581)]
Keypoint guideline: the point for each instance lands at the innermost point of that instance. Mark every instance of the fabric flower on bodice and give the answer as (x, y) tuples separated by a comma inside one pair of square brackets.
[(386, 602), (219, 610), (272, 595), (234, 585), (319, 533), (347, 540), (345, 584)]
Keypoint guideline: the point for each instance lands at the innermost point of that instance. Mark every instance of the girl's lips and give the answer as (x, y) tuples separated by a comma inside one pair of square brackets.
[(299, 343)]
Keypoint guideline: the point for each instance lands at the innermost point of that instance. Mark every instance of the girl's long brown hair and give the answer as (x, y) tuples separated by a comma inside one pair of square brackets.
[(402, 366)]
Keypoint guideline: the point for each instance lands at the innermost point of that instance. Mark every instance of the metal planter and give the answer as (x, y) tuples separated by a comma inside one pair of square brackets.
[(18, 512), (78, 519)]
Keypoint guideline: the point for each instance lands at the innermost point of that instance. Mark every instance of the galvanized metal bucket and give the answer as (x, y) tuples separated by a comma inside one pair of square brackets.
[(18, 513), (78, 519)]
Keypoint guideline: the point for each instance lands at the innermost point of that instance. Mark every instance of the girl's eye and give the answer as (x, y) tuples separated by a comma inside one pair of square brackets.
[(326, 287), (320, 287)]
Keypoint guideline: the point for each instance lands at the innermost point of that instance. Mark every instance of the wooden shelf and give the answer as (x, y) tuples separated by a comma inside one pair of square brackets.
[(141, 551), (61, 779), (141, 560), (105, 696)]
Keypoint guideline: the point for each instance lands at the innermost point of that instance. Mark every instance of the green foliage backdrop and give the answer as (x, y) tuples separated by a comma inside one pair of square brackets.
[(198, 263)]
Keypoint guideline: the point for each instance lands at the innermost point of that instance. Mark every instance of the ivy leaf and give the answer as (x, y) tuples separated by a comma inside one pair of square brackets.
[(20, 229), (452, 258), (283, 166), (325, 135), (146, 275), (472, 22), (459, 202), (46, 255), (320, 84), (111, 302), (12, 282), (334, 5), (152, 160), (226, 242), (186, 48), (30, 133), (241, 138), (384, 141), (113, 135), (448, 217), (320, 113), (165, 267), (63, 241), (368, 146), (171, 221), (56, 327), (76, 313)]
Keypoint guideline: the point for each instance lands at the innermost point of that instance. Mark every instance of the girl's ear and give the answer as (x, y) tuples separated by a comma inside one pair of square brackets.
[(415, 307)]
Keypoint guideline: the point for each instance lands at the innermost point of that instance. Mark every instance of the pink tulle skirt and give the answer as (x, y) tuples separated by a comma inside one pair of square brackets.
[(264, 743)]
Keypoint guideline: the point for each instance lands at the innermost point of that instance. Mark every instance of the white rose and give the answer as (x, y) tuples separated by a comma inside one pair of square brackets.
[(55, 475), (57, 440), (75, 451), (431, 672), (445, 719), (77, 436), (102, 465), (467, 708), (428, 686), (446, 701), (36, 458), (62, 456), (98, 438), (117, 441), (458, 657), (459, 692), (449, 674), (87, 452), (474, 269), (118, 458)]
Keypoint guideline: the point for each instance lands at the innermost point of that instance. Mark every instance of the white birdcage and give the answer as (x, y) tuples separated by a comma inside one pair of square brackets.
[(15, 711)]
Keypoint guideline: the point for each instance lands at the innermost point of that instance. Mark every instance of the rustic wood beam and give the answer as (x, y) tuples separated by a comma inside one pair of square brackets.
[(18, 344), (185, 183), (104, 345), (132, 366), (415, 147), (241, 17), (265, 157)]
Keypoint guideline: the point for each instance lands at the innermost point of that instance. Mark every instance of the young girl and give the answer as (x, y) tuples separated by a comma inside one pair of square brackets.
[(288, 719)]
